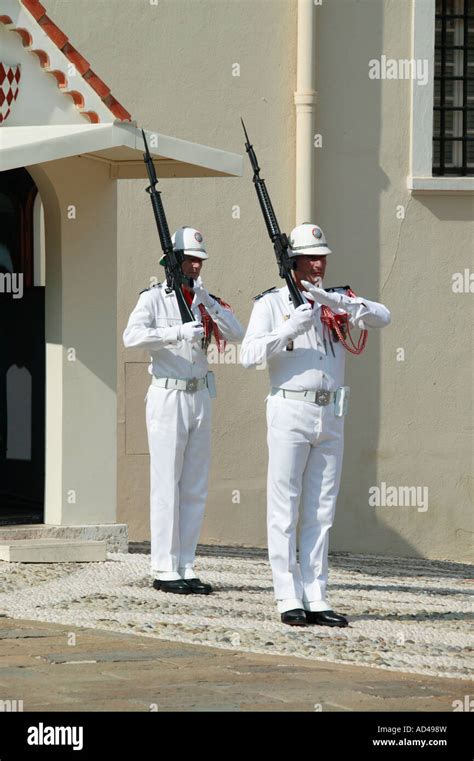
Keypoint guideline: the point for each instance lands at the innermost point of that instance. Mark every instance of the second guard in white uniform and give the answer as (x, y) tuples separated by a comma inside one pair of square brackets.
[(305, 424), (178, 412)]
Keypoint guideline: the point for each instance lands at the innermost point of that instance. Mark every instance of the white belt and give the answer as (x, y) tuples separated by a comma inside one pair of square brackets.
[(182, 384), (320, 397)]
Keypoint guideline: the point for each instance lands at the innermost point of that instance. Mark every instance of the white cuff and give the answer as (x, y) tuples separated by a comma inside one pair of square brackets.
[(171, 335), (317, 605), (187, 573), (286, 333), (166, 575), (290, 603)]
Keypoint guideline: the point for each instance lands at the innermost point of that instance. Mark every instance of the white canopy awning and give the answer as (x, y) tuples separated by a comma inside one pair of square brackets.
[(118, 144)]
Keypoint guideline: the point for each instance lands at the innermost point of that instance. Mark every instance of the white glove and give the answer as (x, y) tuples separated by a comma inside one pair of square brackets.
[(191, 331), (201, 296), (300, 321), (363, 312), (338, 302)]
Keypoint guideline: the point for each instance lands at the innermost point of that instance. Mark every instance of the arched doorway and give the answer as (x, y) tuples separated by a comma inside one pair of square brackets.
[(22, 352)]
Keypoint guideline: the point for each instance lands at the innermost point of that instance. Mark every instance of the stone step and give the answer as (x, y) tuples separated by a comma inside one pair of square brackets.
[(52, 551), (114, 534)]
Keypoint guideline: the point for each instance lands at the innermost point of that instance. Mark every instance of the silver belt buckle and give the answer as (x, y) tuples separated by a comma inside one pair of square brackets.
[(191, 385), (323, 398)]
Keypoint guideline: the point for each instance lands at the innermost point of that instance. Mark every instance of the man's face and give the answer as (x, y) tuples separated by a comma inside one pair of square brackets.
[(191, 266), (311, 268)]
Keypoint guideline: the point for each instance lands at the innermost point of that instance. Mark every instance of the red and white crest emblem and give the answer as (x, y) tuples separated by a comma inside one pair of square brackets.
[(9, 85)]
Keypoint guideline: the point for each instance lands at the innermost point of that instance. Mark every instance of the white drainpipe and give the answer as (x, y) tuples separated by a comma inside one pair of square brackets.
[(305, 98)]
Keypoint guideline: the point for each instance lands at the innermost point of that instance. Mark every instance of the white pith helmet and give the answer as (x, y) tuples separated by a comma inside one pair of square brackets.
[(190, 241), (308, 239)]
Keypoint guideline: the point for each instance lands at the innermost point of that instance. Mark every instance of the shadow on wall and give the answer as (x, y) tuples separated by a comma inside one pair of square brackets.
[(349, 184)]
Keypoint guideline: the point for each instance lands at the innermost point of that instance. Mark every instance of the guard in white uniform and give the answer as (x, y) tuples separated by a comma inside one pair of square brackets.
[(305, 423), (178, 412)]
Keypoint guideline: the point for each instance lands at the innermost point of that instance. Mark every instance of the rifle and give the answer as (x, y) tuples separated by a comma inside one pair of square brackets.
[(173, 259), (337, 324), (279, 239)]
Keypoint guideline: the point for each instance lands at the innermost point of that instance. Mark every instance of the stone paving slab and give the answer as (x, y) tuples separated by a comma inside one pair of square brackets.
[(190, 678), (411, 616), (42, 550)]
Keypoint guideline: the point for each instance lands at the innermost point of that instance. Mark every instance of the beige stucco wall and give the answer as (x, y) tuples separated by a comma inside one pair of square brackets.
[(410, 422), (80, 328)]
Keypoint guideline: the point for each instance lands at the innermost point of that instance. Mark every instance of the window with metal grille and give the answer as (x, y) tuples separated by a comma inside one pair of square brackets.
[(453, 118)]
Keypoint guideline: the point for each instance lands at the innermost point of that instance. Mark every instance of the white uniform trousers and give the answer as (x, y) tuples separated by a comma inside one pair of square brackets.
[(179, 439), (305, 444)]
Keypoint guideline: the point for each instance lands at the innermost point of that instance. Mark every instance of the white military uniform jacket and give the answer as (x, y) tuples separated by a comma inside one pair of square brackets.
[(148, 328), (310, 365)]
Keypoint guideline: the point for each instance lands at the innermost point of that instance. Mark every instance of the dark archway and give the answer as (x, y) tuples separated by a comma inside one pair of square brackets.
[(22, 356)]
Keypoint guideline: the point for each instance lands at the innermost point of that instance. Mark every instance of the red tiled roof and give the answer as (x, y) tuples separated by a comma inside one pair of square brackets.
[(82, 66)]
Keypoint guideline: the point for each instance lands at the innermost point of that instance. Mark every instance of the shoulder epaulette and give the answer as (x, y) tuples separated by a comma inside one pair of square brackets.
[(157, 285), (221, 301), (269, 290)]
